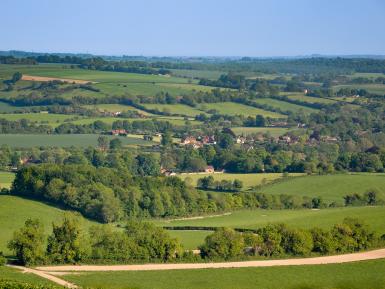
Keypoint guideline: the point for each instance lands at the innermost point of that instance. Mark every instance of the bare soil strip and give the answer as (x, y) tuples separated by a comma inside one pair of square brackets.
[(45, 275), (45, 79), (370, 255)]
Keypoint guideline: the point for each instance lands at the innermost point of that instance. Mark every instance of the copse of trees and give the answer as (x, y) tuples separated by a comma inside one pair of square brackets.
[(208, 183), (277, 240), (69, 243)]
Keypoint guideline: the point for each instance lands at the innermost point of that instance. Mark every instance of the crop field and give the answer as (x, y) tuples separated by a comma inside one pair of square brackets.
[(15, 210), (62, 140), (329, 187), (273, 131), (303, 218), (175, 109), (358, 275), (232, 108), (249, 180), (109, 83), (6, 179), (285, 106)]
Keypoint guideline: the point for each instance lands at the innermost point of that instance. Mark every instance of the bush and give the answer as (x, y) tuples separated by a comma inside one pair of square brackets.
[(3, 260)]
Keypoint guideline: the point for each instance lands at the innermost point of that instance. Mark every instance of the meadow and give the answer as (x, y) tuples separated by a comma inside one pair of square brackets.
[(285, 106), (63, 140), (358, 275), (273, 131), (180, 109), (6, 179), (15, 210), (248, 180), (309, 99), (329, 187), (41, 118), (301, 218), (232, 108), (11, 274)]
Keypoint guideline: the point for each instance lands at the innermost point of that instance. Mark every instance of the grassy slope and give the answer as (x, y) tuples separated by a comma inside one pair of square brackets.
[(175, 109), (285, 105), (62, 140), (329, 187), (6, 178), (16, 275), (231, 108), (305, 218), (247, 179), (15, 210), (359, 275), (274, 131)]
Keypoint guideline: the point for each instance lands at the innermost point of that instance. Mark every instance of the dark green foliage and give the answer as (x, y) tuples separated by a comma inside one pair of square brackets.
[(3, 260), (28, 243)]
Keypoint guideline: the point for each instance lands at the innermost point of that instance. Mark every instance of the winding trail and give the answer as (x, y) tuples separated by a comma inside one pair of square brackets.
[(48, 272)]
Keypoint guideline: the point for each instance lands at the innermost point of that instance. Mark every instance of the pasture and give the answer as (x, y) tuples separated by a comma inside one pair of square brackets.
[(11, 274), (285, 106), (15, 210), (329, 187), (41, 118), (248, 180), (62, 140), (358, 275), (6, 179), (309, 99), (303, 218), (273, 131), (114, 107), (180, 109), (232, 108)]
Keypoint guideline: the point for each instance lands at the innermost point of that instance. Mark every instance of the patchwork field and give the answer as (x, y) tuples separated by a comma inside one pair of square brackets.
[(249, 180), (15, 210), (232, 108), (175, 109), (329, 187), (273, 131), (285, 106), (6, 179), (62, 140), (358, 275)]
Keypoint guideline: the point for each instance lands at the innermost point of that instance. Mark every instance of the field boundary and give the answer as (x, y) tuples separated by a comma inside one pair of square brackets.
[(334, 259)]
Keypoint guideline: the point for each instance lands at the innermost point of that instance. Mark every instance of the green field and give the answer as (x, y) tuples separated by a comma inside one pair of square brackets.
[(181, 109), (249, 180), (304, 218), (15, 210), (358, 275), (11, 274), (114, 108), (285, 106), (376, 88), (232, 108), (109, 83), (309, 99), (192, 73), (329, 187), (273, 131), (190, 239), (41, 118), (62, 140), (6, 179)]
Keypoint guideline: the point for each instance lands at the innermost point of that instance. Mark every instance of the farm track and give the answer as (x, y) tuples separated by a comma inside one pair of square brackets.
[(51, 273)]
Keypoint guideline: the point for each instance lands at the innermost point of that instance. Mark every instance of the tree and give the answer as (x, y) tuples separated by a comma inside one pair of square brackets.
[(166, 140), (16, 77), (237, 184), (206, 182), (260, 121), (147, 165), (66, 244), (28, 243), (102, 142), (115, 144), (224, 243)]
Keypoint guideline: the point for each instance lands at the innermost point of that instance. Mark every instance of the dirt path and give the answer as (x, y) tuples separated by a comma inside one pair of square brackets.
[(370, 255), (44, 79), (45, 275)]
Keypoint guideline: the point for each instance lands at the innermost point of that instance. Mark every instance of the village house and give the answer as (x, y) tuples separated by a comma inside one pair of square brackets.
[(209, 169), (118, 132)]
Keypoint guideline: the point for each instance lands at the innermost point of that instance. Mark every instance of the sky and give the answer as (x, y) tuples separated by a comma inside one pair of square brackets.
[(194, 27)]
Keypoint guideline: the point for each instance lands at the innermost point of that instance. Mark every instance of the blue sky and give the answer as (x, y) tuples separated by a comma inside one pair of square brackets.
[(194, 28)]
